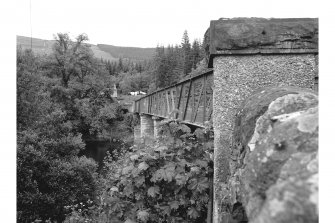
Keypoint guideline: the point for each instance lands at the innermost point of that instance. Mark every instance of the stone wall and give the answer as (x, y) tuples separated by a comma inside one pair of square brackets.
[(279, 53), (273, 174), (235, 78)]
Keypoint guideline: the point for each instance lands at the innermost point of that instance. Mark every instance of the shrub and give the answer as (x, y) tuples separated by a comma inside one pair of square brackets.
[(164, 182)]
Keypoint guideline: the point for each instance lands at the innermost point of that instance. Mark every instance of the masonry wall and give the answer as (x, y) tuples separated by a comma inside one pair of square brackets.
[(274, 157), (147, 126), (156, 121), (137, 134), (235, 78)]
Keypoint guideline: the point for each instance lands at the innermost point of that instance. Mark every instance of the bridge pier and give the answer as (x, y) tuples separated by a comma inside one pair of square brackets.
[(137, 134), (156, 120), (147, 126)]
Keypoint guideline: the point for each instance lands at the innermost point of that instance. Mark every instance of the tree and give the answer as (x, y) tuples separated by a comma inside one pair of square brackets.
[(72, 58), (195, 53), (49, 174), (60, 104), (120, 65), (186, 49), (135, 82)]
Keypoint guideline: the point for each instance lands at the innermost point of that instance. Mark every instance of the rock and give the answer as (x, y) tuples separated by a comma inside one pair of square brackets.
[(260, 35), (274, 165)]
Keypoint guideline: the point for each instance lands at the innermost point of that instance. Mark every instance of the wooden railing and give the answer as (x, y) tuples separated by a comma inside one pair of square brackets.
[(189, 100)]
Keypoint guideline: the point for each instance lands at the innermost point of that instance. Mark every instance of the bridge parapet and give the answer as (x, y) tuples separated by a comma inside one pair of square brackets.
[(273, 164), (248, 54)]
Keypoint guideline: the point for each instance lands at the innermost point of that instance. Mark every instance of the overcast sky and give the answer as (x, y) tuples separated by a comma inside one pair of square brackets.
[(143, 23)]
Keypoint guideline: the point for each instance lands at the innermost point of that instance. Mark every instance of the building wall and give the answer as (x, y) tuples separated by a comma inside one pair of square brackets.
[(235, 78)]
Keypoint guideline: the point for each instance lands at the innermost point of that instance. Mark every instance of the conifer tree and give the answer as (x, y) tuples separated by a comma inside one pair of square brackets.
[(195, 53), (186, 47)]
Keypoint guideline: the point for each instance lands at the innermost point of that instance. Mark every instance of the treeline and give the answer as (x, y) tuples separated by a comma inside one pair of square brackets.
[(173, 63), (125, 65), (169, 65)]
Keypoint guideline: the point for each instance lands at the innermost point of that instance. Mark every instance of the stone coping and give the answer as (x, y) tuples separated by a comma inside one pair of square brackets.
[(261, 36)]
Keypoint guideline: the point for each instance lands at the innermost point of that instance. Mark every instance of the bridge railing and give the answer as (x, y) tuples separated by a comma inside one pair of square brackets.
[(189, 100)]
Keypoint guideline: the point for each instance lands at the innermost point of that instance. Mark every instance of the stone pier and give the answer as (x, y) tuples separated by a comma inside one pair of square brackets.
[(137, 134), (147, 126), (156, 120)]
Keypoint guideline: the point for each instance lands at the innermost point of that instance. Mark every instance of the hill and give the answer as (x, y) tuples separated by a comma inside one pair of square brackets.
[(40, 46), (134, 53), (104, 51)]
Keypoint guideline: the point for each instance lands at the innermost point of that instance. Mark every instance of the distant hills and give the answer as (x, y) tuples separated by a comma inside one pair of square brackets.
[(104, 51), (134, 53)]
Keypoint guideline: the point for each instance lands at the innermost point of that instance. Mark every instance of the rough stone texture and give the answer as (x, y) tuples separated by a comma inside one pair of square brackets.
[(147, 126), (137, 134), (235, 78), (156, 120), (316, 78), (260, 35), (274, 157)]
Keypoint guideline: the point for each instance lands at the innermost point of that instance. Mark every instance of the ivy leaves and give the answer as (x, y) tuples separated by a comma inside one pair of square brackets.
[(193, 213), (143, 216), (168, 181), (143, 166), (152, 191), (165, 173), (198, 184)]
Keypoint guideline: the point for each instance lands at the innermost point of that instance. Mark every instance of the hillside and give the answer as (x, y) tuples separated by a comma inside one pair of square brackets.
[(40, 46), (104, 51), (135, 53)]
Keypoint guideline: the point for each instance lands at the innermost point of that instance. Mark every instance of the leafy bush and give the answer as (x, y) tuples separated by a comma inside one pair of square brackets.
[(46, 185), (164, 182)]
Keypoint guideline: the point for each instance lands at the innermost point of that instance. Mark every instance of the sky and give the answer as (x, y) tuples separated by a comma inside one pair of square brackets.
[(143, 23)]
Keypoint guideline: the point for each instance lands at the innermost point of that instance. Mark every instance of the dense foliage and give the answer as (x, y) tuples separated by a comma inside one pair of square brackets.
[(174, 63), (62, 99), (168, 181)]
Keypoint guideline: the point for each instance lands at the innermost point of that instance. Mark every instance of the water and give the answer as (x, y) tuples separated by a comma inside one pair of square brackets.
[(97, 149)]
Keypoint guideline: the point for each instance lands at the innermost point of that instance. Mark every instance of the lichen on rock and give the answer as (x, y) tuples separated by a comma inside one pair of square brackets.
[(275, 178)]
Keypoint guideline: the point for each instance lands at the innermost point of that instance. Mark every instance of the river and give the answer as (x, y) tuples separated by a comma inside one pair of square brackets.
[(97, 149)]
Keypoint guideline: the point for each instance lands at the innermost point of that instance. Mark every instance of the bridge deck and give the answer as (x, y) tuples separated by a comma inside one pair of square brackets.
[(190, 101)]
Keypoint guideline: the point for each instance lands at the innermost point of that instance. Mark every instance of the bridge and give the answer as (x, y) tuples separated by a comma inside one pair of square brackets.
[(262, 100), (190, 101)]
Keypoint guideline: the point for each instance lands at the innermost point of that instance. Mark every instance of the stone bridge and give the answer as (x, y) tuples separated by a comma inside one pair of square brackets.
[(262, 99)]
